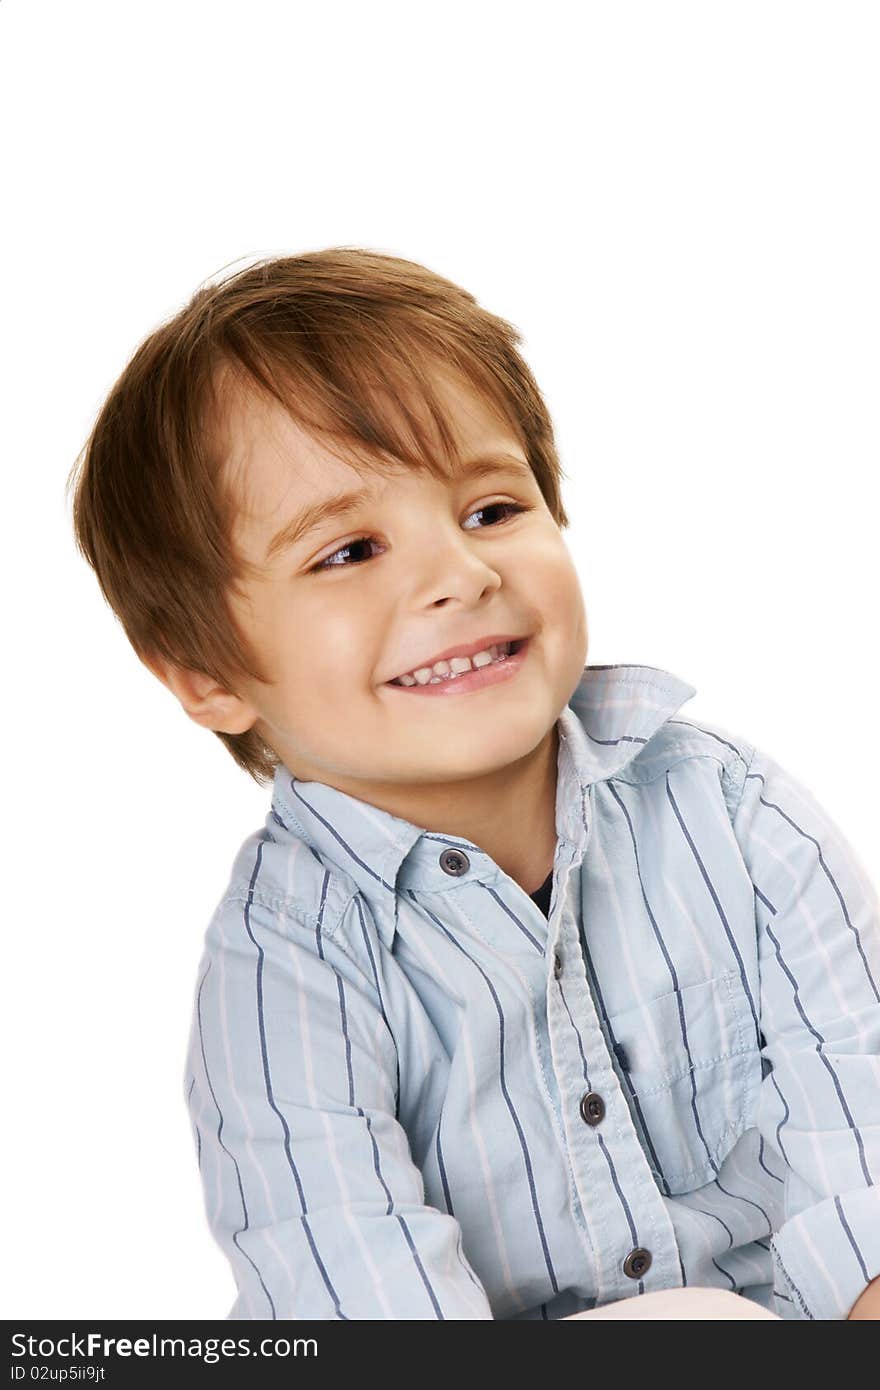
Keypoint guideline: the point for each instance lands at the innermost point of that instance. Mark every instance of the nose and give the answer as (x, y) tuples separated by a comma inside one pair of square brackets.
[(451, 569)]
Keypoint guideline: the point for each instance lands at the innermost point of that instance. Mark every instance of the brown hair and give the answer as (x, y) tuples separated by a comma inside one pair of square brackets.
[(344, 339)]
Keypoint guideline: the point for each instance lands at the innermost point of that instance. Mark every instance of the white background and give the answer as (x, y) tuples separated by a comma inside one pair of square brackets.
[(676, 203)]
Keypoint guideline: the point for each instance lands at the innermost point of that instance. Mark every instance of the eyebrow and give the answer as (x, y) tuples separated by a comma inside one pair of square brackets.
[(335, 507)]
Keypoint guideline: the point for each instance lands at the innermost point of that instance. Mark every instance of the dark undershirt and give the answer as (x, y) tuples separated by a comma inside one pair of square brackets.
[(541, 895)]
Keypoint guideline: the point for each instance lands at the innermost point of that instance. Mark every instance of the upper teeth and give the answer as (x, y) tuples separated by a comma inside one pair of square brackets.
[(445, 670)]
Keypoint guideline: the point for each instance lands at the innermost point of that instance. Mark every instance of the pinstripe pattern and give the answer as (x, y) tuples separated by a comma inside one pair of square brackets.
[(384, 1071)]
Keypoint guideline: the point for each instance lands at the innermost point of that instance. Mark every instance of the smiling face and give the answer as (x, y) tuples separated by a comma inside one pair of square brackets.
[(421, 566)]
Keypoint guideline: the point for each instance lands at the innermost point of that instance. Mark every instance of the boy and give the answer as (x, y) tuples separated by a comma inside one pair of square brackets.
[(529, 996)]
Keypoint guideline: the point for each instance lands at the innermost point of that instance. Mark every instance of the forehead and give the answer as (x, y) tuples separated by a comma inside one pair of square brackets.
[(273, 464)]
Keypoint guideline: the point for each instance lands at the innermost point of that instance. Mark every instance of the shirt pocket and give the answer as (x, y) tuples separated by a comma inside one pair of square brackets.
[(691, 1067)]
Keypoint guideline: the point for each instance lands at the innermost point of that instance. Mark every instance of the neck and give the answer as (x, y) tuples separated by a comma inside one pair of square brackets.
[(522, 845)]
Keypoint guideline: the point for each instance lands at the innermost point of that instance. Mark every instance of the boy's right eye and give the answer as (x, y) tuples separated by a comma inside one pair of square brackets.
[(349, 545)]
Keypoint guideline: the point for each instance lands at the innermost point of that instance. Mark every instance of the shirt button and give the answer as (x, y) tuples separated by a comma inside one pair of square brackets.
[(557, 965), (455, 862), (637, 1263), (592, 1107)]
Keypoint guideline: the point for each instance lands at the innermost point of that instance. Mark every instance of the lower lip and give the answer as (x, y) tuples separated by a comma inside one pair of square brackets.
[(493, 674)]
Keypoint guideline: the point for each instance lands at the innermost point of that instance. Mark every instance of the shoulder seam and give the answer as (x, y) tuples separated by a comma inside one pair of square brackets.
[(683, 758), (289, 908), (734, 768)]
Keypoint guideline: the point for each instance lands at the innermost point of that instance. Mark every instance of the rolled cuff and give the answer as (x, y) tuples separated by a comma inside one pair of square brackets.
[(827, 1254)]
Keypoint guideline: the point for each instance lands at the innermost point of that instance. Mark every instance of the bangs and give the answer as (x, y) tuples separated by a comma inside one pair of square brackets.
[(374, 405), (377, 403)]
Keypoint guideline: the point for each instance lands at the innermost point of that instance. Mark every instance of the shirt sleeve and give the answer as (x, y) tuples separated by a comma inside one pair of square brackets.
[(309, 1185), (818, 926)]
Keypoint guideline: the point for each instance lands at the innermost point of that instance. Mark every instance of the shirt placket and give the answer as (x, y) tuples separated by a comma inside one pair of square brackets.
[(626, 1218)]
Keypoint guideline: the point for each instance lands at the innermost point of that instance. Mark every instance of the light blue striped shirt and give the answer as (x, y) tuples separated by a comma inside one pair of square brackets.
[(414, 1096)]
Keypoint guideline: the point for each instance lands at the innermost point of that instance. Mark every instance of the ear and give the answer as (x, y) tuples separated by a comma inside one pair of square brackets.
[(206, 702)]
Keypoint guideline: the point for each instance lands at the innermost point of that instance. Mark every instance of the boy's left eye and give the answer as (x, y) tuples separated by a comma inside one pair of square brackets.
[(330, 562)]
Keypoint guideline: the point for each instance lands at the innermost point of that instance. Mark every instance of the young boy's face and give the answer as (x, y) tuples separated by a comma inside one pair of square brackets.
[(422, 566)]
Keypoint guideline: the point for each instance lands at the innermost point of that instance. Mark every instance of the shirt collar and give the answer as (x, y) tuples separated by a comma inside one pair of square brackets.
[(609, 718)]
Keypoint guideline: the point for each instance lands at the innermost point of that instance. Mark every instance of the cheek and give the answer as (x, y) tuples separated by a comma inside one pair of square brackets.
[(329, 653), (340, 634), (556, 582), (564, 611)]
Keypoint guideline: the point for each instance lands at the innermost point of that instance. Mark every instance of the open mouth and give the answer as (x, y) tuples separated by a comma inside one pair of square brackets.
[(507, 660)]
